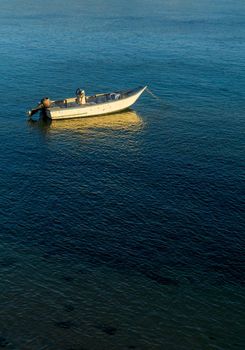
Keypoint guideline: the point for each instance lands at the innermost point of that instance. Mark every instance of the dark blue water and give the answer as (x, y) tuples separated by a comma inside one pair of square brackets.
[(123, 231)]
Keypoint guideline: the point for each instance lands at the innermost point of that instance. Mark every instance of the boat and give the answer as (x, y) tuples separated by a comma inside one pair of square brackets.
[(87, 106)]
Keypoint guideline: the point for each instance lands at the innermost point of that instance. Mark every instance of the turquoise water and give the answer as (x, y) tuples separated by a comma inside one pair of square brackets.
[(124, 231)]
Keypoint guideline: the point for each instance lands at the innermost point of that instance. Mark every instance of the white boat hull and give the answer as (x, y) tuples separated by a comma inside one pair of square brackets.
[(88, 110)]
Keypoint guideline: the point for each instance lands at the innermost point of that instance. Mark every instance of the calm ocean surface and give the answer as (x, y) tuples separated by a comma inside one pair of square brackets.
[(123, 231)]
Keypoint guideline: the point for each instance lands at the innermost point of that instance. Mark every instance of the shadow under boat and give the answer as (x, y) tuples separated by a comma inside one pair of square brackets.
[(128, 120)]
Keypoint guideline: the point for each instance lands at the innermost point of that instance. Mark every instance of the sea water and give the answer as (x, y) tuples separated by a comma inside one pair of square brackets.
[(123, 231)]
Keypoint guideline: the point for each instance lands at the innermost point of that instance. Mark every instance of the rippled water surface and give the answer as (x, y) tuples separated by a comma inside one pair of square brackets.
[(124, 231)]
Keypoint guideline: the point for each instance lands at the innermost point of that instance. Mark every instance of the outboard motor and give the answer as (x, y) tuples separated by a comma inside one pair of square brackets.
[(45, 103)]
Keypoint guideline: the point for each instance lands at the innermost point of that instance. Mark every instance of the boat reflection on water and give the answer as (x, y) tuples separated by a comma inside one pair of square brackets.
[(120, 121), (128, 121)]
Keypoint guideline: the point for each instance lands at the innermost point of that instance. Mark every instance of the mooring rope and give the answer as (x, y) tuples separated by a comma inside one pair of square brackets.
[(152, 94), (156, 97)]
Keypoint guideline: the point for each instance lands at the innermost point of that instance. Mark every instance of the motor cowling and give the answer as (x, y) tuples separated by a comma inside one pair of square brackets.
[(46, 102)]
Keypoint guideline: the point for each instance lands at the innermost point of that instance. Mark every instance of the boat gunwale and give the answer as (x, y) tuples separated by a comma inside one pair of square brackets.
[(130, 93)]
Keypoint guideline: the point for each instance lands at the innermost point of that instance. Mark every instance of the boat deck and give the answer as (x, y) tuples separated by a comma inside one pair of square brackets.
[(91, 100)]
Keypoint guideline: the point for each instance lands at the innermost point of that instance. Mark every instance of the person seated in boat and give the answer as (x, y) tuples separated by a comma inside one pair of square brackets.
[(81, 98)]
